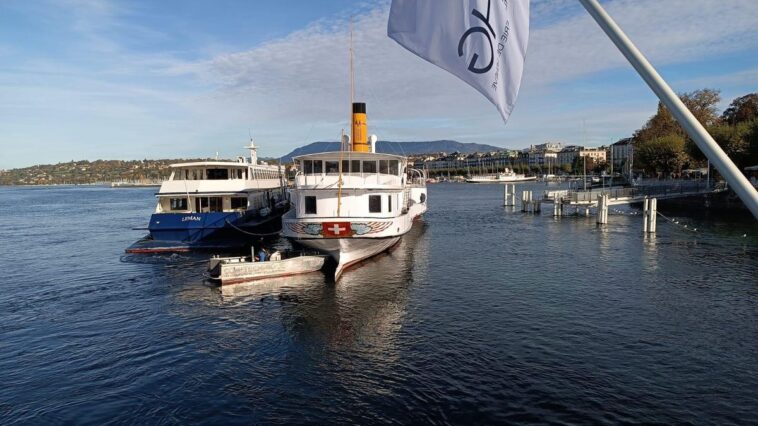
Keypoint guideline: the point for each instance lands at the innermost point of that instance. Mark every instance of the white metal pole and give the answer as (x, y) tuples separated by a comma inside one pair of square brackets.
[(694, 129), (645, 214)]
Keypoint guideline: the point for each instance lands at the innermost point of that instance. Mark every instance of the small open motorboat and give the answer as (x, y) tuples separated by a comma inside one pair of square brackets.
[(230, 270)]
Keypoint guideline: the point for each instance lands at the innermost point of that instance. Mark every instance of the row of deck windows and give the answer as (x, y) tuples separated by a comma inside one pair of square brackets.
[(374, 204), (207, 204), (225, 174), (317, 167)]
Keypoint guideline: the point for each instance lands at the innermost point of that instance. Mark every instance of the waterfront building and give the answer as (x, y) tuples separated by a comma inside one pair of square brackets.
[(622, 153)]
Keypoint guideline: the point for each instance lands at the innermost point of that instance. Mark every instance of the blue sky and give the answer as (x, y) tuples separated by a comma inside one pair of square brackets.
[(112, 79)]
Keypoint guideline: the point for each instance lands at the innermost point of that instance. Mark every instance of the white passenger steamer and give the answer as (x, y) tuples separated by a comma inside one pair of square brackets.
[(355, 203), (508, 176), (215, 205)]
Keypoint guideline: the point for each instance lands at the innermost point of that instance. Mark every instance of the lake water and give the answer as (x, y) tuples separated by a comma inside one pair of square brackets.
[(481, 314)]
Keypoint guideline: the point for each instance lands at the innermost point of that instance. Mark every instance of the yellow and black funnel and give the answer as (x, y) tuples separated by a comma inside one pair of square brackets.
[(360, 128)]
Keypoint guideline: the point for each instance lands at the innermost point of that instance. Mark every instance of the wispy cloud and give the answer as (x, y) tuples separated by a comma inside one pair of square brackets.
[(283, 78), (102, 71)]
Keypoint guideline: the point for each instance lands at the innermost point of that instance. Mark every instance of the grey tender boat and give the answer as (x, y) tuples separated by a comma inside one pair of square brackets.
[(231, 270)]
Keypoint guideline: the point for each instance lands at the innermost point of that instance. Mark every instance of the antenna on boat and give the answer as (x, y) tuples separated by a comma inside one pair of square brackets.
[(253, 152), (352, 73)]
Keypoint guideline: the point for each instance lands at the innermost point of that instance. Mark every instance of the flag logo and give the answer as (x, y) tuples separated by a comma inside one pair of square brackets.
[(482, 42)]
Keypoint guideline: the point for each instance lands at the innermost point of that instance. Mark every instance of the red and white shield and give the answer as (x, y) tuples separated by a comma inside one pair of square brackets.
[(336, 229)]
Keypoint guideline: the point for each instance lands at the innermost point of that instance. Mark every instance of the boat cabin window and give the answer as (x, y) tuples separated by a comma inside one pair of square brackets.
[(389, 203), (178, 204), (217, 174), (394, 166), (238, 173), (239, 203), (369, 167), (318, 167), (310, 204), (384, 167), (374, 203), (332, 167), (308, 167), (208, 204)]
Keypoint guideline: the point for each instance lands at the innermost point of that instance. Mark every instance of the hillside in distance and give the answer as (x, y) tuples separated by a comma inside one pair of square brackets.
[(399, 148)]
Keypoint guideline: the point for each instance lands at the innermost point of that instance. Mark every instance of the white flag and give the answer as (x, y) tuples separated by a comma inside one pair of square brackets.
[(483, 42)]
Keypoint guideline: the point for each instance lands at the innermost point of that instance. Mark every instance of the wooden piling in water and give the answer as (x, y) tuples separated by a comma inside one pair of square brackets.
[(602, 209), (509, 194), (649, 215)]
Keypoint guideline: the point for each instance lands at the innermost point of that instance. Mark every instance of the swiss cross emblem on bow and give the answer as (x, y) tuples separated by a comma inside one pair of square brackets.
[(336, 229)]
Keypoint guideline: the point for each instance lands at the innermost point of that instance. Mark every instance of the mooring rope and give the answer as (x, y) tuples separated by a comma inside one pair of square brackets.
[(675, 222), (252, 233)]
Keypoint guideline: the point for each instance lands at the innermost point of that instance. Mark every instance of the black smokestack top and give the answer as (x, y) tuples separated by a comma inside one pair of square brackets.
[(359, 107)]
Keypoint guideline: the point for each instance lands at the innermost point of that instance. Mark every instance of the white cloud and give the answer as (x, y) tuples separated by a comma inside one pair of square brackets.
[(303, 77), (294, 90)]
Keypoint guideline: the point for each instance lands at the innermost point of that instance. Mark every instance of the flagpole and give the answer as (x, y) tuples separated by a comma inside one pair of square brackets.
[(694, 129)]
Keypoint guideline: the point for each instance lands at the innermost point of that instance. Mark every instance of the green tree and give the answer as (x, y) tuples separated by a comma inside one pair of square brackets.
[(744, 108), (752, 142), (702, 103), (739, 141), (662, 155)]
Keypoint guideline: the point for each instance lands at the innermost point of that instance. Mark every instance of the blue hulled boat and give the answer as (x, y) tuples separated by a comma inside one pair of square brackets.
[(216, 205)]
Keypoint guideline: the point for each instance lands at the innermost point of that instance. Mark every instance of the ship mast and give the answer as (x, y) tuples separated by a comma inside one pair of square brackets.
[(343, 142)]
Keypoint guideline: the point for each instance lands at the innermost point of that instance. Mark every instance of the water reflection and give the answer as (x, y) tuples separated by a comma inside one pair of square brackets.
[(364, 310), (270, 287), (650, 252)]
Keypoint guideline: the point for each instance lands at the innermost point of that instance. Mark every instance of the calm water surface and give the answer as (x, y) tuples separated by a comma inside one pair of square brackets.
[(481, 314)]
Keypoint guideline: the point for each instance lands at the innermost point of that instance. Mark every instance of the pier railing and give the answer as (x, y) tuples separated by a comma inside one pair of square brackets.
[(663, 190)]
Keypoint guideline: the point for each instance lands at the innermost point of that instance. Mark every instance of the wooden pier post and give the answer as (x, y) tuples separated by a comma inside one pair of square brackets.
[(602, 209), (510, 195), (645, 206), (649, 215)]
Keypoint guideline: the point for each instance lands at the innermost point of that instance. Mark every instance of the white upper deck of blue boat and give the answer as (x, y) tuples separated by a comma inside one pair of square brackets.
[(221, 177)]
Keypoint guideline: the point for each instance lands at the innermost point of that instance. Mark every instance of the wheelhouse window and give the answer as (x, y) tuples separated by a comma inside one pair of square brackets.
[(310, 204), (346, 166), (178, 204), (239, 203), (355, 166), (217, 174), (308, 167), (318, 167), (394, 167), (369, 167), (332, 167), (374, 203), (384, 167)]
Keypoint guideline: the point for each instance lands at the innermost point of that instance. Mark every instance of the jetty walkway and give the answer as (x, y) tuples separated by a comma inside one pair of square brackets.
[(600, 199), (628, 195)]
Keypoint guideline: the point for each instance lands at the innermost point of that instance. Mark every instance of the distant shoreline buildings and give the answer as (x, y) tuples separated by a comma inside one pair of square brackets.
[(549, 156)]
